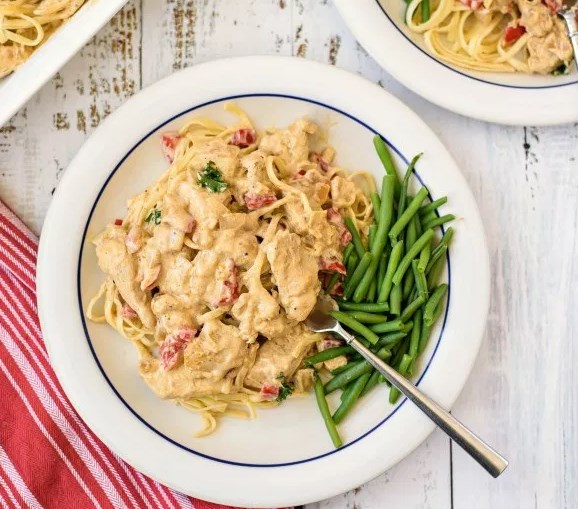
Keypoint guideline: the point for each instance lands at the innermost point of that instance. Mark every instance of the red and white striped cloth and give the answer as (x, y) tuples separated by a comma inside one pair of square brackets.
[(48, 456)]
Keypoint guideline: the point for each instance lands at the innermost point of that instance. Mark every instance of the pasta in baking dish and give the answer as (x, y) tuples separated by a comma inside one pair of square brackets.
[(217, 263), (26, 24)]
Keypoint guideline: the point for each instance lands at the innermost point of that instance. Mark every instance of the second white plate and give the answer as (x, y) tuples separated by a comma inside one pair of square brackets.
[(506, 98)]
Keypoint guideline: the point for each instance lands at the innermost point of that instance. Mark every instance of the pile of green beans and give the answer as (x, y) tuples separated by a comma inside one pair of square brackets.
[(392, 294)]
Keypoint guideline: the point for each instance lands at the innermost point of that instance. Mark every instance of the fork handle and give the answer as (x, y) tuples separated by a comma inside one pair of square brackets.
[(471, 443), (570, 19)]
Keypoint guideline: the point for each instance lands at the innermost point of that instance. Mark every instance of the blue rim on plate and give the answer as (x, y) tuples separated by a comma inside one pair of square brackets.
[(447, 66), (81, 306)]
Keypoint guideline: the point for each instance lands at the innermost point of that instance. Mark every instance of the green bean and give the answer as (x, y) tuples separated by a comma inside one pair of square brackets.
[(407, 327), (426, 329), (391, 339), (410, 255), (394, 259), (432, 303), (355, 237), (356, 370), (357, 276), (371, 383), (415, 334), (354, 325), (369, 307), (418, 227), (420, 280), (385, 214), (326, 414), (433, 206), (350, 398), (365, 317), (438, 221), (434, 274), (407, 215), (393, 326), (376, 202), (385, 157), (350, 267), (381, 268), (395, 300), (347, 252), (424, 257), (326, 355), (441, 248), (404, 186), (408, 285), (428, 217), (400, 351), (402, 370), (411, 308), (371, 235), (410, 234), (347, 389), (425, 11), (345, 367), (371, 293), (332, 281)]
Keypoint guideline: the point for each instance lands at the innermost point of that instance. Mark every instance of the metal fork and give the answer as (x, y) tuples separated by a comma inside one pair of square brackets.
[(568, 13), (319, 321)]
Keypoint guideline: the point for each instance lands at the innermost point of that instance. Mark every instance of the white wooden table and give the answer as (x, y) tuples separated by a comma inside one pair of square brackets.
[(523, 393)]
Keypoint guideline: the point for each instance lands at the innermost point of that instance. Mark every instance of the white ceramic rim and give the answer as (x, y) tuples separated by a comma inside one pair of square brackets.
[(17, 88), (58, 266), (452, 89)]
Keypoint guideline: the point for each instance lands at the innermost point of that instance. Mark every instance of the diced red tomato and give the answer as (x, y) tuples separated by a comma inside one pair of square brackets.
[(269, 392), (332, 265), (553, 5), (173, 346), (169, 142), (128, 312), (230, 289), (334, 217), (299, 174), (472, 4), (118, 222), (315, 157), (512, 34), (330, 342), (243, 138), (256, 201)]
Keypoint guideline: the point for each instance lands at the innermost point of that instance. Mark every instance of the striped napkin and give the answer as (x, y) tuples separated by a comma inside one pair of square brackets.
[(48, 456)]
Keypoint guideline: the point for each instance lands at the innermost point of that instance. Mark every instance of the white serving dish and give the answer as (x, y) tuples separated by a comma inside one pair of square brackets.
[(17, 88)]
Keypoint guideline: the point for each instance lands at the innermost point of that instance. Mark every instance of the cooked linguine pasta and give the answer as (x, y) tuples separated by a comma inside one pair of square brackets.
[(217, 263), (493, 35), (25, 24)]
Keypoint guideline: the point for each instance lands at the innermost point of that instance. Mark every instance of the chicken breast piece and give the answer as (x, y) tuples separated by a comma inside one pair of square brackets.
[(116, 261), (295, 272)]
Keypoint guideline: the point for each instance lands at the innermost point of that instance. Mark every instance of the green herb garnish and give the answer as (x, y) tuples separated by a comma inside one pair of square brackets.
[(285, 390), (561, 69), (211, 178), (154, 216)]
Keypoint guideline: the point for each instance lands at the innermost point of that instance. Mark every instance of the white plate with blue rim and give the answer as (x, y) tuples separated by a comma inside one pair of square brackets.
[(284, 456), (506, 98)]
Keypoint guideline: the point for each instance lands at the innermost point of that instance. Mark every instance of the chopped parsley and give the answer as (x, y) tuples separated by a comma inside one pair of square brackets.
[(286, 388), (561, 69), (211, 178), (154, 216)]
